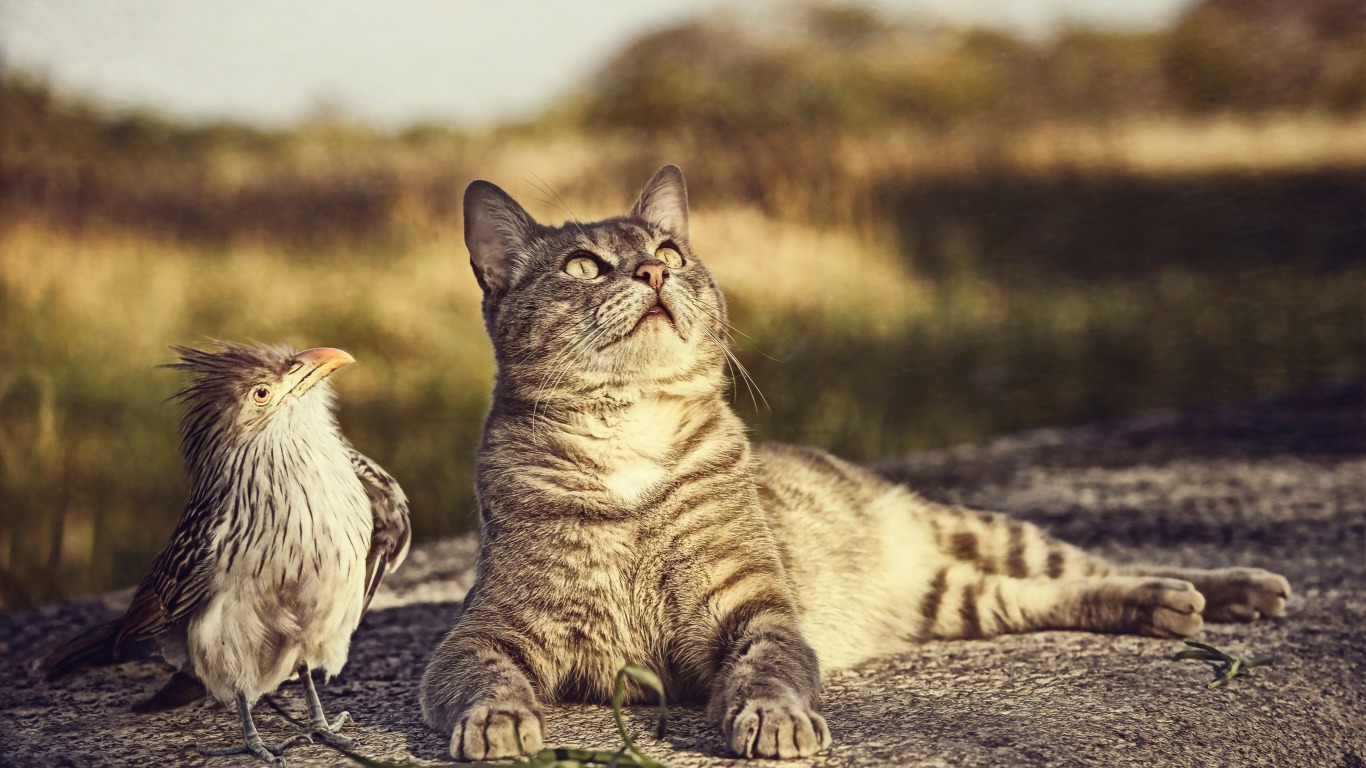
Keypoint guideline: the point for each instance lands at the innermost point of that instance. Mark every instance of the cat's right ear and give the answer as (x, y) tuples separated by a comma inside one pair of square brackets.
[(497, 231), (664, 201)]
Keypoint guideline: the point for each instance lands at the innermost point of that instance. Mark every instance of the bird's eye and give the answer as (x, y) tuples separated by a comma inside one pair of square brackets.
[(669, 255), (581, 267), (261, 394)]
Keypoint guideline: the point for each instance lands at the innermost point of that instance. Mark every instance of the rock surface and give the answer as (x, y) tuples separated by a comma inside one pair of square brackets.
[(1279, 484)]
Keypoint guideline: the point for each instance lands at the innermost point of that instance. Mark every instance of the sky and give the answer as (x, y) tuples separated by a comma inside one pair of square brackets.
[(398, 62)]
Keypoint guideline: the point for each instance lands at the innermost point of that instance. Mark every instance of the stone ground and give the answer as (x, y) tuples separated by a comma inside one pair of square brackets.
[(1279, 484)]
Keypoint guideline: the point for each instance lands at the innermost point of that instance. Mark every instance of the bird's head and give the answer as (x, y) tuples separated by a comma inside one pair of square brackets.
[(237, 393)]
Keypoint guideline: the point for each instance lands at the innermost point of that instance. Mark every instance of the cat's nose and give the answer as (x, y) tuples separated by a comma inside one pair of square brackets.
[(653, 272)]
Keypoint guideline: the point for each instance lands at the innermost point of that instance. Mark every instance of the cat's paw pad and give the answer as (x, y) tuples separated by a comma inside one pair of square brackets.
[(493, 730), (780, 726), (1245, 594), (1169, 607)]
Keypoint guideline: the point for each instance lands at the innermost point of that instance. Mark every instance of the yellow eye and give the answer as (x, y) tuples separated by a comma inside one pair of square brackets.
[(581, 267), (669, 256), (261, 394)]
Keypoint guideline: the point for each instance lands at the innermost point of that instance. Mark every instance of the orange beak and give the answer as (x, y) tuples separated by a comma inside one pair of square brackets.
[(314, 365)]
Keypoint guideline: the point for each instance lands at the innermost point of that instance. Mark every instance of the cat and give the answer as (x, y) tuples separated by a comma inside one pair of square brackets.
[(626, 517)]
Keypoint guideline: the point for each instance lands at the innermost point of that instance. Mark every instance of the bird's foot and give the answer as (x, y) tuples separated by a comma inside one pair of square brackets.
[(320, 730), (266, 753)]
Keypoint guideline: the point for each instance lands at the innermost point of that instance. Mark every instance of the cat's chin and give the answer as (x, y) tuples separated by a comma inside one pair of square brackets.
[(654, 350)]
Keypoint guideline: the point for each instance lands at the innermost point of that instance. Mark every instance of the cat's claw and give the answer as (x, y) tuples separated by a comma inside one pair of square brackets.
[(497, 730), (776, 727)]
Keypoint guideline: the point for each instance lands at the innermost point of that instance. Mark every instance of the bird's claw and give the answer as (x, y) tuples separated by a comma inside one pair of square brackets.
[(266, 753), (321, 731)]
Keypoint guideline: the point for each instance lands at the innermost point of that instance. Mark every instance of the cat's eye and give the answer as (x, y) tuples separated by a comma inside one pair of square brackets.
[(669, 255), (581, 267), (261, 394)]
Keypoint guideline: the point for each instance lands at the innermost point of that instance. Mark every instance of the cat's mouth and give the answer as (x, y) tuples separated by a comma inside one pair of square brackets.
[(658, 310)]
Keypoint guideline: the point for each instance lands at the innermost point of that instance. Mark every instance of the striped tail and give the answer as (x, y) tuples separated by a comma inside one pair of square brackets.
[(95, 647)]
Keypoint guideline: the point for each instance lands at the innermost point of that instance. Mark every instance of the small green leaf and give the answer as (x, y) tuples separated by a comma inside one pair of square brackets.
[(1201, 655), (650, 680), (1230, 668), (1211, 649)]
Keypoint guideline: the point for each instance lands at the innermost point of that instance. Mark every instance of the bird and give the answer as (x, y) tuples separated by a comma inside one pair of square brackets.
[(278, 552)]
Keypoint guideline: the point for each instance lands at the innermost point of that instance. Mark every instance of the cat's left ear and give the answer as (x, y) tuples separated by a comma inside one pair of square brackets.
[(664, 202), (497, 231)]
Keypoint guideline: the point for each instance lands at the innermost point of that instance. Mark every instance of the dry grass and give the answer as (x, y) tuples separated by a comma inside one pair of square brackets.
[(1165, 147), (87, 441), (88, 319), (856, 345)]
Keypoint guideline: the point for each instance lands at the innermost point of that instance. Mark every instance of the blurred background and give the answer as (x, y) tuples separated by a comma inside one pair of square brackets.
[(935, 221)]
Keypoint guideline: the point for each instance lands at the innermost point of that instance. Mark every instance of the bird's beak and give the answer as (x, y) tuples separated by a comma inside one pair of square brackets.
[(312, 366)]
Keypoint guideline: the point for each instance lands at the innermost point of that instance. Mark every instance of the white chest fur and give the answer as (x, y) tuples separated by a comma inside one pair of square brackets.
[(635, 449)]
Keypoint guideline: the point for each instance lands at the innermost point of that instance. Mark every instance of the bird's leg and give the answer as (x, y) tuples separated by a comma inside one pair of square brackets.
[(252, 742), (318, 726)]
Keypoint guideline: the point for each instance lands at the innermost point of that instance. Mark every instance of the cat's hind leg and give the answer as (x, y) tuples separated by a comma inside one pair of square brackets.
[(1231, 594), (965, 602), (999, 544)]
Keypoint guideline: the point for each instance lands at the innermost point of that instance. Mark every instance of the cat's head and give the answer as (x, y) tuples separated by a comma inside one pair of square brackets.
[(622, 302)]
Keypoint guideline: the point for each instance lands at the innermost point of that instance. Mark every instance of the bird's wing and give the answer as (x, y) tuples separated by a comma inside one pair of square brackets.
[(392, 533), (180, 577)]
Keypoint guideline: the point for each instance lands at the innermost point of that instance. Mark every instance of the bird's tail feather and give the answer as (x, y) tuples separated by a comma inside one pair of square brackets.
[(183, 688), (95, 647)]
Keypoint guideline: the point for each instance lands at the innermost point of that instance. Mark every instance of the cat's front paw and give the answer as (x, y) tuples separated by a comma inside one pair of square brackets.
[(1245, 594), (492, 730), (781, 726)]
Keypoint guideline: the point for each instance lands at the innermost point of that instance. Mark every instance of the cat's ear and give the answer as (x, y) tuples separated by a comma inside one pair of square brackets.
[(664, 202), (497, 231)]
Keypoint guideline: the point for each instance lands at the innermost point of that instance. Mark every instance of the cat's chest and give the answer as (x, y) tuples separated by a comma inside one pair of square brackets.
[(632, 453), (628, 475)]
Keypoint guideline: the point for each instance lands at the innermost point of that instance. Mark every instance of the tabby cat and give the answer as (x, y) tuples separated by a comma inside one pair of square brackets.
[(625, 517)]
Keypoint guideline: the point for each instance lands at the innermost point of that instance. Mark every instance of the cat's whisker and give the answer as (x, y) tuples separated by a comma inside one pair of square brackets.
[(562, 360), (688, 305), (563, 363), (568, 330), (750, 383), (732, 362), (558, 202), (729, 327)]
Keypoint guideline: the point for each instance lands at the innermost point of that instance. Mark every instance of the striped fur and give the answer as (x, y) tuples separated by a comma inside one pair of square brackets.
[(625, 516)]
